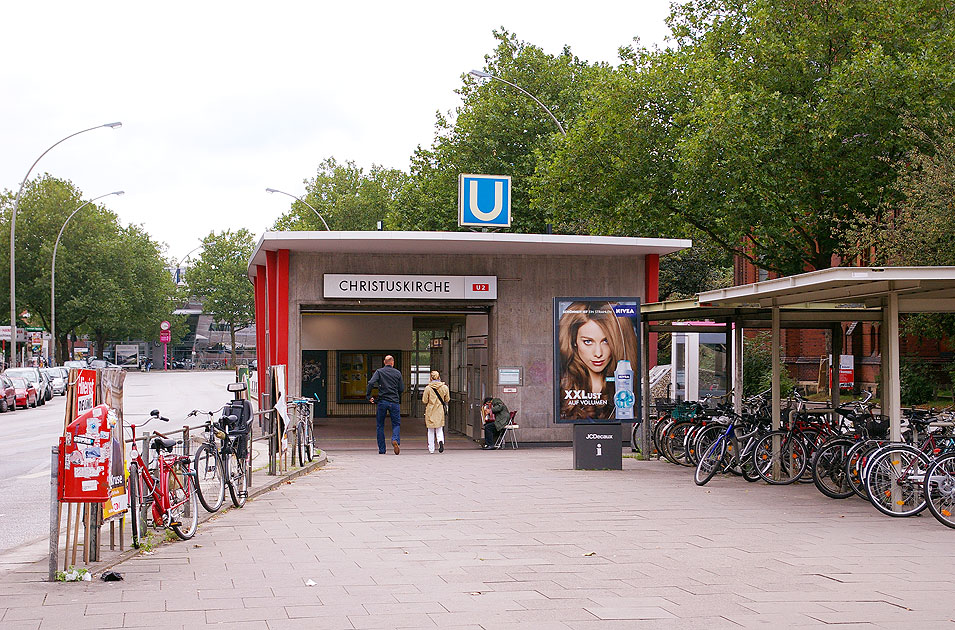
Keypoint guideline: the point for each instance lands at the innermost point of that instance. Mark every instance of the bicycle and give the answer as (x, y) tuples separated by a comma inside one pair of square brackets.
[(303, 428), (225, 463), (170, 489)]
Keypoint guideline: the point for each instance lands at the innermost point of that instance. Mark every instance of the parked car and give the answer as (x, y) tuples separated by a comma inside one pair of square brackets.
[(79, 365), (26, 392), (57, 378), (8, 394), (36, 378), (103, 363)]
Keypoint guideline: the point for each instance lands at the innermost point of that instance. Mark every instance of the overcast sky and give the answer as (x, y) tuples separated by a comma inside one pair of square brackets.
[(220, 100)]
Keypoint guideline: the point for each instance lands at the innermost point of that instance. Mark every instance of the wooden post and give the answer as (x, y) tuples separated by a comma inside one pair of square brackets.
[(76, 531), (54, 515), (69, 525), (738, 368)]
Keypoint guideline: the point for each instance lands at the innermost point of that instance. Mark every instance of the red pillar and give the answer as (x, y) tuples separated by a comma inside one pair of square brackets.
[(276, 271), (652, 284), (261, 325)]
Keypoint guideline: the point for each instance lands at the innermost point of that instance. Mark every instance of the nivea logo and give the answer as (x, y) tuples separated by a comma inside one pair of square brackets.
[(625, 310)]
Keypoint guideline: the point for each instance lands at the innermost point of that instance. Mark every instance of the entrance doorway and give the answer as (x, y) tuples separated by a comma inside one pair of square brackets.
[(315, 380), (344, 349)]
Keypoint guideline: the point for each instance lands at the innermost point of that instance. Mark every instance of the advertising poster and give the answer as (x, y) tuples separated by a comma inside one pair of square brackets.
[(111, 394), (596, 360), (85, 391), (127, 355)]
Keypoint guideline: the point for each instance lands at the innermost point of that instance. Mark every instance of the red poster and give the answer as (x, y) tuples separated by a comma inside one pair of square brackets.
[(85, 458), (85, 391)]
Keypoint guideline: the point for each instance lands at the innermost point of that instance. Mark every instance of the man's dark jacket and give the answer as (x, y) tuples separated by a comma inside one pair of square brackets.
[(389, 383)]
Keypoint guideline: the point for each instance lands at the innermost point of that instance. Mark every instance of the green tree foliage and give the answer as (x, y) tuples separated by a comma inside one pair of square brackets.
[(915, 225), (111, 281), (765, 126), (703, 267), (758, 366), (346, 196), (497, 130), (219, 280)]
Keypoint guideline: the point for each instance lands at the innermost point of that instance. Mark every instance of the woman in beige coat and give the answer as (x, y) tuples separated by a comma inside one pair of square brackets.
[(434, 394)]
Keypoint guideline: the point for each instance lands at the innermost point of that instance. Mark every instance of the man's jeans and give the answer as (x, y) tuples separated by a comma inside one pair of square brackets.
[(394, 409)]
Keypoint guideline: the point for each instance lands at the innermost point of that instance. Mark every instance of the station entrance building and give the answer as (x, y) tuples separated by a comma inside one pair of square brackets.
[(476, 306)]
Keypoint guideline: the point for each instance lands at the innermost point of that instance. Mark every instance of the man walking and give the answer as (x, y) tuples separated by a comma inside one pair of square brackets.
[(390, 385)]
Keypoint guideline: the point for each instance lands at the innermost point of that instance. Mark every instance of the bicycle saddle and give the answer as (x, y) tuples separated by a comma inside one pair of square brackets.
[(164, 444)]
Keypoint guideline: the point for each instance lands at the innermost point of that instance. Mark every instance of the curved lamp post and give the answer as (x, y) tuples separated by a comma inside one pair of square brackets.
[(13, 232), (179, 262), (53, 267), (273, 190), (487, 75)]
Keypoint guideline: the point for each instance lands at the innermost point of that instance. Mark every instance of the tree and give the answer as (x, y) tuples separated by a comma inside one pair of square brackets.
[(914, 225), (496, 131), (110, 281), (347, 198), (219, 280), (765, 126)]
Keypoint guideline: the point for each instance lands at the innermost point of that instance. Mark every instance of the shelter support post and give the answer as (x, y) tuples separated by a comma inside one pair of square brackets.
[(836, 366), (777, 407), (737, 343), (774, 342), (894, 389), (644, 438)]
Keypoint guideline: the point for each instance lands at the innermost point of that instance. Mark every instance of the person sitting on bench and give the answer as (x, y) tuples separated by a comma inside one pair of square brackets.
[(495, 415)]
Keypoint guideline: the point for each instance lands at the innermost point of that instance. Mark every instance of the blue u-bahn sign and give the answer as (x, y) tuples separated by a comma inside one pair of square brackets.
[(484, 200)]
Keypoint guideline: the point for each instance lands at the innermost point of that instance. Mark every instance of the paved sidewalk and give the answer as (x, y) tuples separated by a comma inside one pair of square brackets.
[(507, 539)]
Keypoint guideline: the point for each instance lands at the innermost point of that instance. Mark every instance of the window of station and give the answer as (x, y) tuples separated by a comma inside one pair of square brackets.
[(355, 369)]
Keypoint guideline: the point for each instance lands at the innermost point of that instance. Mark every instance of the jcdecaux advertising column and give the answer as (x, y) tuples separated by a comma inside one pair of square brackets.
[(596, 363)]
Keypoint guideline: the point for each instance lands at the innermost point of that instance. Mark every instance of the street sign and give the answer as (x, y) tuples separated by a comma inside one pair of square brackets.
[(165, 336), (484, 200)]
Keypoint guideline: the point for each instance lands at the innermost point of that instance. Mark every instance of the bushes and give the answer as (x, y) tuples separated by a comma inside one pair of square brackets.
[(921, 381), (758, 367)]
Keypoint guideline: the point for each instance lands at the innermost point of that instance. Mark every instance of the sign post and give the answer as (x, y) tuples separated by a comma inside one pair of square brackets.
[(165, 336)]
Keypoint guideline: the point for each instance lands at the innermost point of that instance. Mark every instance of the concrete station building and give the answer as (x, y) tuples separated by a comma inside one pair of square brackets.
[(477, 306)]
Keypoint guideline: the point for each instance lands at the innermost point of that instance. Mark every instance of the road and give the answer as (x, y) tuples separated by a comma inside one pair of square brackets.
[(26, 437)]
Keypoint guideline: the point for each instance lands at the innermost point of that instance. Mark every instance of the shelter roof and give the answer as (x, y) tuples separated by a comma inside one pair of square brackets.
[(488, 243)]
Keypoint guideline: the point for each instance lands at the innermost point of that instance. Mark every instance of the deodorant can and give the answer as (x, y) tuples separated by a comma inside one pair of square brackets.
[(623, 399)]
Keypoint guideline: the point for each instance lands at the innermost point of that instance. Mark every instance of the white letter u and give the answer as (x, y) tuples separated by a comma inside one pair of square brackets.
[(498, 202)]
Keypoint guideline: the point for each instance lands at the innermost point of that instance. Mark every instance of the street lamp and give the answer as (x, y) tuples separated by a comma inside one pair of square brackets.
[(487, 75), (53, 267), (179, 262), (273, 190), (13, 232)]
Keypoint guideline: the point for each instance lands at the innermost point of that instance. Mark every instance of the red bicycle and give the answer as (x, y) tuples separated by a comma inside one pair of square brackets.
[(169, 488)]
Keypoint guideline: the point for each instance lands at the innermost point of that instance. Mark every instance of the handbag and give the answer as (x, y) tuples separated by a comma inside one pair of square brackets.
[(444, 403)]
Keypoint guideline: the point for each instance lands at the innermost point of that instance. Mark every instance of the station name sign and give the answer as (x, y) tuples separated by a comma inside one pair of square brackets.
[(399, 287)]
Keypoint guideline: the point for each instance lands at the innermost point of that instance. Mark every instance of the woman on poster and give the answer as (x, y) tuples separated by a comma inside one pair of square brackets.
[(591, 340)]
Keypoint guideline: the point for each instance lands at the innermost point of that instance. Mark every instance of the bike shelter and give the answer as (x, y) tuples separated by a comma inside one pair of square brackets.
[(823, 299)]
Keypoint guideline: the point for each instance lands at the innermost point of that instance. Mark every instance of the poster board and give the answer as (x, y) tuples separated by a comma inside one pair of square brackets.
[(592, 336)]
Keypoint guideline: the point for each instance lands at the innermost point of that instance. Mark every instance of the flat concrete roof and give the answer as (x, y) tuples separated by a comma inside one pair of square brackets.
[(920, 289), (386, 242)]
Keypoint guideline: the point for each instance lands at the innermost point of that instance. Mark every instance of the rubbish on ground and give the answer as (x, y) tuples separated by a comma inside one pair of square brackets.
[(112, 576)]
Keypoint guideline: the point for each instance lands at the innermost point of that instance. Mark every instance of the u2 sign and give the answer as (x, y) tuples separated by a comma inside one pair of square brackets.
[(484, 200)]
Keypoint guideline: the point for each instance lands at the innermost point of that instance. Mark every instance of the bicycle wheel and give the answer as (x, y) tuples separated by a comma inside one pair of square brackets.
[(210, 484), (134, 519), (780, 457), (829, 469), (710, 462), (940, 489), (183, 501), (674, 442), (300, 442), (895, 479), (238, 481), (309, 440), (856, 459), (633, 438), (702, 440)]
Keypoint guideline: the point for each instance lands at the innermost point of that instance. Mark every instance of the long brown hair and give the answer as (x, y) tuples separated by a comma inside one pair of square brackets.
[(574, 375)]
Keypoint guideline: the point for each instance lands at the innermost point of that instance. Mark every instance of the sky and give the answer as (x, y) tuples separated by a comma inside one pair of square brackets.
[(221, 100)]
